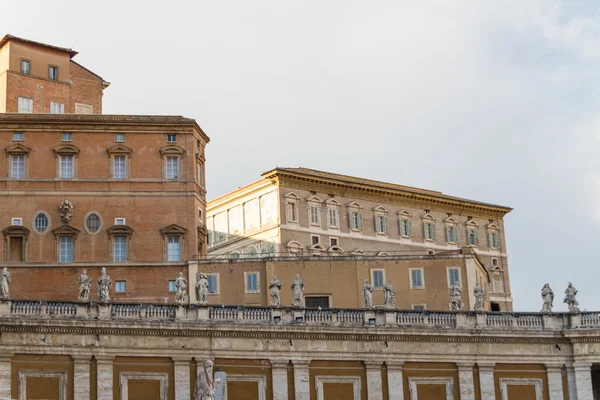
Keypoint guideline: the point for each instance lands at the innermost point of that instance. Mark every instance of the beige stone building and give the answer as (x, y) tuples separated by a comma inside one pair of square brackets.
[(303, 212)]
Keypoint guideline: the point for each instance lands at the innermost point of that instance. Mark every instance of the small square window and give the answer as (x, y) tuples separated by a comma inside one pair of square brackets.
[(67, 136), (120, 137), (25, 105), (418, 307), (120, 286), (333, 241), (314, 239), (252, 282), (171, 138), (16, 221), (53, 72), (57, 108), (26, 67), (172, 287), (494, 262), (119, 221), (18, 136)]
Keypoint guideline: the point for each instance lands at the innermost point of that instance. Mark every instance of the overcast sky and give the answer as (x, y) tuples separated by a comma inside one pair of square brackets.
[(490, 100)]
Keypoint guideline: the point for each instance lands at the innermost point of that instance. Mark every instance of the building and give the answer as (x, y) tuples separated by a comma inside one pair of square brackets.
[(293, 211), (43, 79)]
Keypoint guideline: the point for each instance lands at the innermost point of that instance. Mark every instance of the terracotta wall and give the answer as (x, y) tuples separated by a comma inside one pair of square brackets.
[(87, 89)]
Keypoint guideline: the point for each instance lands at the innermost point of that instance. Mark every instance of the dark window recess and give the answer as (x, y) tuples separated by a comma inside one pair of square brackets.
[(495, 306), (316, 302)]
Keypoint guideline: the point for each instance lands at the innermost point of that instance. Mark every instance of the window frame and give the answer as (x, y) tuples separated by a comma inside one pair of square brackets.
[(120, 240), (67, 137), (21, 169), (168, 241), (116, 159), (337, 241), (448, 270), (217, 284), (34, 220), (18, 138), (173, 136), (60, 248), (53, 107), (312, 237), (54, 68), (118, 283), (373, 271), (29, 102), (85, 222), (410, 276), (117, 140), (21, 66), (423, 305), (174, 290), (249, 291)]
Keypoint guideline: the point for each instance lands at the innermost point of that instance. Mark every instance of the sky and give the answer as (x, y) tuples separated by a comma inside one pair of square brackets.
[(492, 100)]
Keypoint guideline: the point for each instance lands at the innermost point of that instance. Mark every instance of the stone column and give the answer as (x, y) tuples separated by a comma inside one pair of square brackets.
[(280, 379), (465, 381), (104, 373), (486, 381), (5, 376), (301, 379), (81, 377), (395, 380), (571, 384), (374, 383), (181, 369), (583, 380), (555, 387)]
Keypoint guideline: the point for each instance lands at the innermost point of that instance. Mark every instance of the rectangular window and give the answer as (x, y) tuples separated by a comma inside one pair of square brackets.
[(416, 278), (268, 208), (333, 241), (57, 108), (16, 221), (213, 283), (355, 220), (120, 286), (173, 250), (252, 282), (314, 215), (120, 249), (451, 234), (220, 233), (18, 167), (314, 239), (53, 72), (25, 105), (381, 223), (418, 307), (119, 167), (473, 237), (494, 239), (453, 276), (120, 137), (317, 301), (332, 214), (18, 136), (498, 284), (292, 215), (120, 221), (66, 167), (171, 138), (429, 229), (65, 249), (378, 278), (172, 287), (172, 167), (26, 67), (200, 174), (405, 227), (67, 136), (236, 221), (251, 217)]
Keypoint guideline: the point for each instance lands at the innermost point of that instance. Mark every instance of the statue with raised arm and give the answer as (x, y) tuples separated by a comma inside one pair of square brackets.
[(85, 286), (570, 298), (104, 285), (456, 303), (479, 294), (547, 298), (275, 287), (367, 291), (66, 211), (389, 295), (298, 292), (206, 385), (202, 290), (5, 281), (181, 285)]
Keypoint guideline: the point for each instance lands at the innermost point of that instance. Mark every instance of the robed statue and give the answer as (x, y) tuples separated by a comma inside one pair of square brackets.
[(389, 295), (570, 298), (298, 292), (275, 287), (181, 296), (547, 298), (479, 294), (202, 290), (456, 303), (5, 281), (85, 286), (104, 286), (367, 291), (206, 385)]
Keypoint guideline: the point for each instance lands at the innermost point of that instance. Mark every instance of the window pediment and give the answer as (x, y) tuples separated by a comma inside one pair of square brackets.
[(428, 218), (492, 227), (16, 230), (200, 157), (383, 254), (450, 221), (119, 149), (380, 209), (404, 214), (120, 230), (354, 204), (472, 224), (17, 149), (173, 230), (172, 149), (291, 196), (314, 199), (66, 149), (66, 230), (292, 244), (332, 202), (335, 249), (357, 252)]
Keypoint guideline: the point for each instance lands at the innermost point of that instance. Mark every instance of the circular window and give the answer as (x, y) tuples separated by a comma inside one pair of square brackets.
[(92, 222), (41, 222)]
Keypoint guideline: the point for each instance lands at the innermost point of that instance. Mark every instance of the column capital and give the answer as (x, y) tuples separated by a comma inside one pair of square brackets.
[(370, 364), (301, 363), (81, 359), (104, 359), (466, 365), (394, 365), (182, 360), (582, 366), (554, 367), (6, 357), (486, 366), (279, 364)]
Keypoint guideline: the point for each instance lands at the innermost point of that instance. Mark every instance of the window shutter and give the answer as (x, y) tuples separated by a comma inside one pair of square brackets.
[(490, 240), (360, 221), (433, 231), (385, 224), (376, 219), (448, 233), (477, 237), (401, 227), (351, 220), (409, 228), (497, 235)]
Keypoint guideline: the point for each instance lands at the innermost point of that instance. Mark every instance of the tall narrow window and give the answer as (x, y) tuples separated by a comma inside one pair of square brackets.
[(172, 167), (405, 227), (473, 237), (453, 276), (57, 108), (53, 72), (18, 167), (200, 174), (416, 278), (120, 248), (332, 214), (66, 167), (65, 249), (252, 285), (377, 278), (355, 220), (119, 167), (314, 215), (451, 234), (381, 223), (173, 249), (429, 229), (213, 283), (25, 105), (26, 67), (291, 212)]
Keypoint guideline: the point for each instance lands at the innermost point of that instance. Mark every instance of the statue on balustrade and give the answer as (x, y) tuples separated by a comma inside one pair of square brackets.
[(570, 298), (389, 295), (547, 298), (66, 211), (456, 303), (5, 280), (181, 296), (206, 385), (367, 291), (479, 294), (104, 285), (298, 292), (202, 290), (85, 286), (275, 287)]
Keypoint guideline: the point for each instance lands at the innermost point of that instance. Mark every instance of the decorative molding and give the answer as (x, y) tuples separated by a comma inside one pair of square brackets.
[(162, 377), (17, 149), (537, 383), (172, 149), (261, 380), (119, 149), (413, 382), (322, 379), (42, 373)]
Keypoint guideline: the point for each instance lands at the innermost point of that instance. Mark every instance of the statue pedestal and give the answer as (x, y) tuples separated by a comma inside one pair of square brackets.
[(82, 309), (368, 316), (298, 315), (104, 311), (202, 313), (5, 307), (180, 312)]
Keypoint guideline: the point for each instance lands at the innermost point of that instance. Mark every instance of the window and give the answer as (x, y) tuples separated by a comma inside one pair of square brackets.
[(381, 223), (494, 306), (316, 302), (172, 287), (172, 167), (200, 173), (53, 72), (120, 286), (378, 278), (355, 220), (453, 277), (92, 223), (220, 232), (67, 136), (473, 237), (416, 278), (65, 249), (429, 231), (173, 249), (405, 227), (252, 282), (18, 136), (292, 214), (41, 222), (314, 215), (120, 221), (213, 283), (120, 137), (57, 108), (494, 240), (17, 170), (66, 167), (314, 239), (236, 220), (268, 208), (119, 167), (120, 248), (494, 262), (16, 221), (26, 67), (451, 234), (332, 217), (419, 307), (171, 138), (333, 241), (251, 217), (497, 283), (25, 105)]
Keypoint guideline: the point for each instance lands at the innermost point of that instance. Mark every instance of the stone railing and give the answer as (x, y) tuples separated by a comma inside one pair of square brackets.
[(287, 315)]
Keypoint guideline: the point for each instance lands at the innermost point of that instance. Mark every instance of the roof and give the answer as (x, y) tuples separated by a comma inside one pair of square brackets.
[(372, 185), (105, 83), (8, 38)]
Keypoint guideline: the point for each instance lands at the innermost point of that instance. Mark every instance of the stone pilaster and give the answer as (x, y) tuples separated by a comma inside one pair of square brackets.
[(5, 376), (583, 380), (374, 383), (395, 380), (181, 369), (104, 372), (486, 381), (280, 379), (571, 383), (81, 377), (555, 382), (465, 381), (301, 379)]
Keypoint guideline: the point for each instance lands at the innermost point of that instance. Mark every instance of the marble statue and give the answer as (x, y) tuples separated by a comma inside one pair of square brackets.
[(275, 287), (479, 294), (5, 281), (570, 298), (367, 291), (389, 295), (206, 385), (181, 284), (85, 286), (547, 298), (202, 290), (298, 292), (104, 285), (66, 211), (456, 303)]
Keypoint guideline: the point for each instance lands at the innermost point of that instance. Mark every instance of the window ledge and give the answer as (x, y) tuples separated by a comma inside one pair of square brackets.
[(406, 237), (418, 288), (253, 292), (429, 240)]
